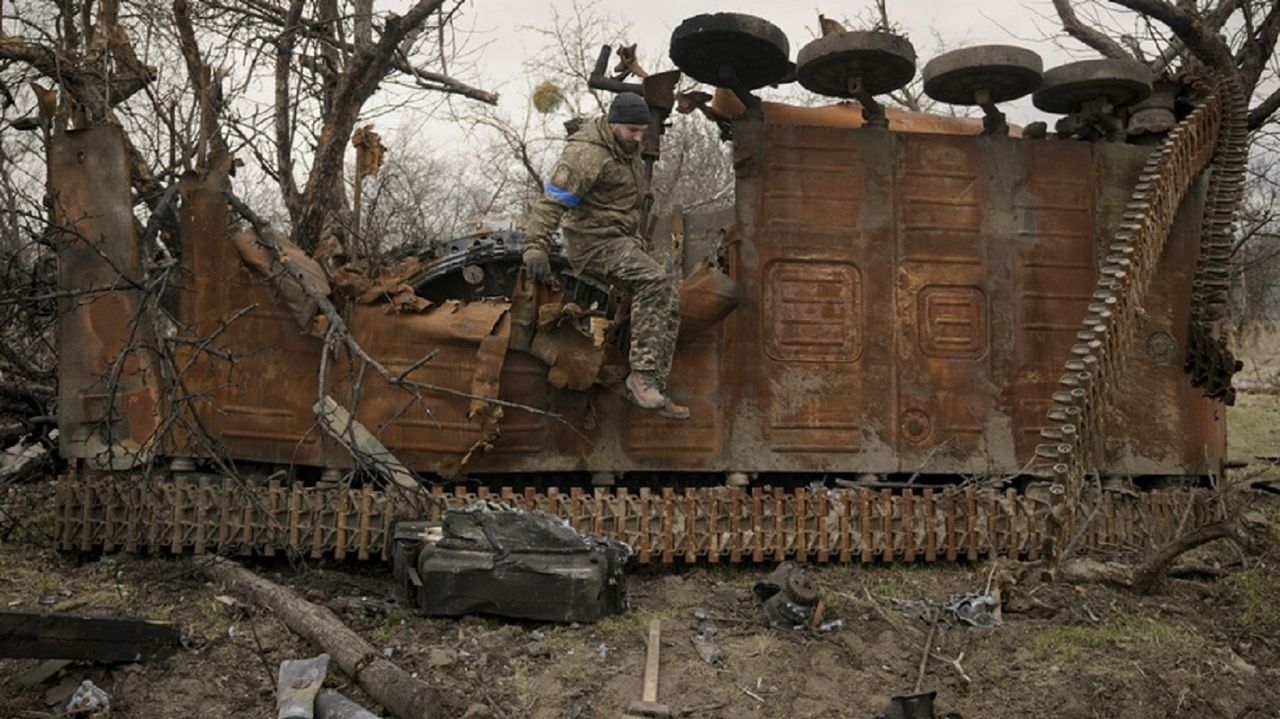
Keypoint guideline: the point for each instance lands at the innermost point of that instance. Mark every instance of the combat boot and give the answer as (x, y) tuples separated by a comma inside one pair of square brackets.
[(671, 410), (643, 390)]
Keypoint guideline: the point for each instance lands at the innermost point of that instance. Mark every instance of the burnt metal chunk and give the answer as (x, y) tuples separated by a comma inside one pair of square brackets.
[(528, 565), (101, 639)]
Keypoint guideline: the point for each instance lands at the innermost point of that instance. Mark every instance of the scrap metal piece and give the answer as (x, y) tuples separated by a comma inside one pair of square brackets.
[(727, 49), (298, 683), (910, 706), (789, 597), (109, 399), (530, 565), (88, 702), (976, 609), (1067, 88)]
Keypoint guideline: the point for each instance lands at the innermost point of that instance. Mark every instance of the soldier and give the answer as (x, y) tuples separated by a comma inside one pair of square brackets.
[(594, 194)]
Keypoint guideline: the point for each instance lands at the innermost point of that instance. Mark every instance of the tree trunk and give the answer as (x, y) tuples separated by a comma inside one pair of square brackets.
[(400, 694)]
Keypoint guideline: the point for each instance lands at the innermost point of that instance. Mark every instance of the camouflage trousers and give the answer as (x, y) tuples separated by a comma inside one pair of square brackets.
[(655, 301)]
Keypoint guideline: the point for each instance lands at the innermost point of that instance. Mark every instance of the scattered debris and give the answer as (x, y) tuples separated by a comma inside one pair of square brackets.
[(975, 609), (404, 696), (648, 705), (299, 682), (88, 702), (101, 639), (17, 461), (496, 560), (705, 642), (830, 625), (789, 597)]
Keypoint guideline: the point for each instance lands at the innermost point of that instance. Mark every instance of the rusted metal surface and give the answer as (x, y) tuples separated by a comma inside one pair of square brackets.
[(249, 376), (711, 524), (108, 384), (895, 303), (904, 300)]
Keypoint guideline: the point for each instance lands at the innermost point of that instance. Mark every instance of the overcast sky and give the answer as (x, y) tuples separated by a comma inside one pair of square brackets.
[(499, 35)]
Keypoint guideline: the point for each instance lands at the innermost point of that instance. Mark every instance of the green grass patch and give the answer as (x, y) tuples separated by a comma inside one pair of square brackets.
[(898, 581), (631, 625), (387, 629), (1258, 593), (1058, 645), (1253, 427)]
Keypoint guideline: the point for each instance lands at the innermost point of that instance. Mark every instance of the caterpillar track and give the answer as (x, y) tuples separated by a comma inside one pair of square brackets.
[(208, 515)]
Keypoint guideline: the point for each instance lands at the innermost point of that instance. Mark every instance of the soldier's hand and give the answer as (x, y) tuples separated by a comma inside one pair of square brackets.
[(537, 265)]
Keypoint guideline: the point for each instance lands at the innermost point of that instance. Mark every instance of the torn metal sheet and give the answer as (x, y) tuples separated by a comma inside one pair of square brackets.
[(298, 683), (109, 400), (707, 296), (530, 565)]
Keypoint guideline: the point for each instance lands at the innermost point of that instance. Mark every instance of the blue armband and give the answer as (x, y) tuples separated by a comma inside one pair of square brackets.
[(563, 196)]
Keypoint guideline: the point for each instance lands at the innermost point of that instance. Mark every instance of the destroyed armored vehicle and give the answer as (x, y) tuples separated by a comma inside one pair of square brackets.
[(913, 337)]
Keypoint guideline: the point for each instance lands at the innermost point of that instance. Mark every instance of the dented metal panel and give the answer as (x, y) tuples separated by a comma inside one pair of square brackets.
[(249, 375), (108, 385), (901, 302)]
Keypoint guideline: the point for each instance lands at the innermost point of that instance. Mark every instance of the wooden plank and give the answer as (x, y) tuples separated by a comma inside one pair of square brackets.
[(35, 635)]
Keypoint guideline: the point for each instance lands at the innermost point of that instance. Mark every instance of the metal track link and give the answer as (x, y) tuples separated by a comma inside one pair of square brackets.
[(1072, 436), (1208, 359), (210, 515)]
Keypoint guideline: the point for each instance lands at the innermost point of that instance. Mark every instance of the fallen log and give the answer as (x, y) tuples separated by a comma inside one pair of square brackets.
[(399, 693)]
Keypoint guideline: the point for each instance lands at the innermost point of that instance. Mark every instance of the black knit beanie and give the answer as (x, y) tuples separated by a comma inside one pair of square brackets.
[(629, 108)]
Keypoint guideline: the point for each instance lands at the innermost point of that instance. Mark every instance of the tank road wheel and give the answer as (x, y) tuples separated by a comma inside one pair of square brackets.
[(731, 50), (1068, 88), (857, 65), (801, 589), (1090, 93), (983, 76)]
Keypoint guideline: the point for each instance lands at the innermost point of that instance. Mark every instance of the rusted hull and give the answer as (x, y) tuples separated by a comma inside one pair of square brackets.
[(902, 303)]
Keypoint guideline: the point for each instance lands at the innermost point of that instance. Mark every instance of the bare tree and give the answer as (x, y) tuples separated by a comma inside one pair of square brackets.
[(1237, 40)]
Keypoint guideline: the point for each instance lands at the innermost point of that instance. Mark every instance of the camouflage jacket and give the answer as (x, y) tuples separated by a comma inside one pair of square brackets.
[(594, 191)]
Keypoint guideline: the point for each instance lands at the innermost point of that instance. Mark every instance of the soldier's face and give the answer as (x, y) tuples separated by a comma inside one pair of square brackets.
[(629, 137)]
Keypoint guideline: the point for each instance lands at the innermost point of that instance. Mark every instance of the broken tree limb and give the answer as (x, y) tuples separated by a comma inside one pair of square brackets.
[(399, 693), (1148, 577)]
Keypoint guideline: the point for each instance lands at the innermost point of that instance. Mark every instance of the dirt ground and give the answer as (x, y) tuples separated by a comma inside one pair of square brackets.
[(1209, 646), (1205, 648)]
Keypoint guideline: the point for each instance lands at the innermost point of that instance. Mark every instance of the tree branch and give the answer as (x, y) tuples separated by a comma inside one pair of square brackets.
[(284, 131), (1205, 43), (368, 68), (1087, 35), (1259, 115)]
